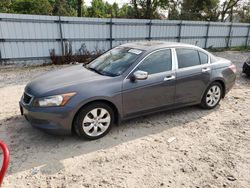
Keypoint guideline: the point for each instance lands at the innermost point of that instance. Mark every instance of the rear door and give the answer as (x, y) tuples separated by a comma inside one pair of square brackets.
[(192, 76)]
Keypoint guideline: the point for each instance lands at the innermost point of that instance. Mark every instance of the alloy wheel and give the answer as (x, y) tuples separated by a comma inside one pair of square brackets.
[(213, 96), (96, 122)]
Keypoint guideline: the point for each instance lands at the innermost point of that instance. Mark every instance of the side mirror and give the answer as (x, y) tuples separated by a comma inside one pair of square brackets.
[(139, 75)]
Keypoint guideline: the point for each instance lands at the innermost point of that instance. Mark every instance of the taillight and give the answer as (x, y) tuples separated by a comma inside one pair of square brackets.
[(233, 68)]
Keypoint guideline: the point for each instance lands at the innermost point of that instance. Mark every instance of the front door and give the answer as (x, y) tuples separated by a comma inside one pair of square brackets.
[(156, 91)]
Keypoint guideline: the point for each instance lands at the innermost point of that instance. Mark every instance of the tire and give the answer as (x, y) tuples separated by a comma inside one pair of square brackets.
[(94, 121), (212, 96)]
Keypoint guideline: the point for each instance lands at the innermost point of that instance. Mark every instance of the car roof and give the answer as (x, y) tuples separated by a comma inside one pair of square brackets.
[(154, 45)]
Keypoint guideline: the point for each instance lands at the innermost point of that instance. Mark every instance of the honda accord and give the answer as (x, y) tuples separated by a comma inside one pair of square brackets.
[(130, 80)]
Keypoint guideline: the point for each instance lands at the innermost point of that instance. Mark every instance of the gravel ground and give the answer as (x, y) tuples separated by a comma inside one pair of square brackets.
[(188, 147)]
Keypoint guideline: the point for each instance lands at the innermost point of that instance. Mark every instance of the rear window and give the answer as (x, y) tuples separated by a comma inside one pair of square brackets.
[(187, 57)]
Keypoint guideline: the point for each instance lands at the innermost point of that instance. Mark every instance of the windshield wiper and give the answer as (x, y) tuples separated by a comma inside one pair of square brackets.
[(102, 72), (95, 70)]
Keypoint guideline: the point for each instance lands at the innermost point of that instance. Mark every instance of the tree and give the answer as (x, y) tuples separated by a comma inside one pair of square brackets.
[(174, 9), (135, 7), (79, 8), (63, 8), (207, 10), (244, 12), (5, 6), (126, 11), (97, 9), (115, 10), (227, 8), (199, 9), (31, 7), (148, 9)]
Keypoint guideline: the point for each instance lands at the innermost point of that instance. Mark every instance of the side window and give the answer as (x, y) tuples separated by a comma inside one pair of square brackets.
[(187, 57), (203, 57), (157, 62)]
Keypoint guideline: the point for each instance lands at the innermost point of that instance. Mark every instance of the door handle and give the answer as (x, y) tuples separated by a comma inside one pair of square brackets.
[(205, 69), (167, 78)]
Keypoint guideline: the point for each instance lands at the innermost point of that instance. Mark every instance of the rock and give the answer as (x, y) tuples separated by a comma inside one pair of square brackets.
[(236, 97), (34, 172), (171, 139), (231, 178)]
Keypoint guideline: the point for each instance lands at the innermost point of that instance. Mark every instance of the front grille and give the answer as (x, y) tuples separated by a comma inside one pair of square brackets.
[(26, 98)]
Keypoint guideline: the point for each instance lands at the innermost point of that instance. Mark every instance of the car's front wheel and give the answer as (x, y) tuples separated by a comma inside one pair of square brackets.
[(212, 96), (94, 121)]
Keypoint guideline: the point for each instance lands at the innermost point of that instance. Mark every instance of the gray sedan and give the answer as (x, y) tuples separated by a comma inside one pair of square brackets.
[(130, 80)]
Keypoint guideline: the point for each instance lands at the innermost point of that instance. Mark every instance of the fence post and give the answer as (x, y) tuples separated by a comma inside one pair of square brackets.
[(229, 35), (1, 62), (179, 34), (149, 29), (208, 26), (111, 33), (61, 34), (247, 37)]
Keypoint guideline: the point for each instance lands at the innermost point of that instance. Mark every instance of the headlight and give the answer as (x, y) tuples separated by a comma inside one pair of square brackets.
[(56, 100)]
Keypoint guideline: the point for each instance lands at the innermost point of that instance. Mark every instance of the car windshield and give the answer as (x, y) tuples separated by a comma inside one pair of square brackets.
[(115, 61)]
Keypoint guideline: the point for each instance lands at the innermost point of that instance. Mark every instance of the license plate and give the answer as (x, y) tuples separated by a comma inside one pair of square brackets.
[(21, 109)]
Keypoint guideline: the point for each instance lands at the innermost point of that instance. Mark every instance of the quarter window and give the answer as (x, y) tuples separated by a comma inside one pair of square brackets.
[(187, 57), (157, 62), (203, 57)]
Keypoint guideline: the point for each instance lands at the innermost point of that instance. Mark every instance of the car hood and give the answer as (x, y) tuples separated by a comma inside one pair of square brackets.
[(63, 78)]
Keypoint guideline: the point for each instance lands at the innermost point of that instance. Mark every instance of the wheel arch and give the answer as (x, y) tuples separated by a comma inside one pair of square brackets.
[(219, 80), (111, 104), (223, 86)]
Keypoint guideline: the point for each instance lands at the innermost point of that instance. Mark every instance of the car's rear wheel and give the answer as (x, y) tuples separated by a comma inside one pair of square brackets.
[(212, 96), (94, 121)]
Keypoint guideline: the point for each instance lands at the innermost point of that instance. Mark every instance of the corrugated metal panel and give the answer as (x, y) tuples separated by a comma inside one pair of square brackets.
[(194, 41), (135, 28), (217, 42), (191, 28), (237, 42), (24, 27), (32, 36), (219, 29), (165, 28), (239, 31)]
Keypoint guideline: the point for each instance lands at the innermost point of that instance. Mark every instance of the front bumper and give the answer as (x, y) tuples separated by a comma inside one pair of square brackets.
[(246, 68), (54, 120)]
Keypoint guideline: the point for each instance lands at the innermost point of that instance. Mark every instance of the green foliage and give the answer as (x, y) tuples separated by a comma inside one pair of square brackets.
[(97, 9), (5, 6), (244, 12), (126, 11), (199, 9), (148, 9), (204, 10), (63, 8), (31, 7)]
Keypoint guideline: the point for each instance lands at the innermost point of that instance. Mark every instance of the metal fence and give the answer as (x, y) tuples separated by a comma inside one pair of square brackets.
[(31, 37)]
